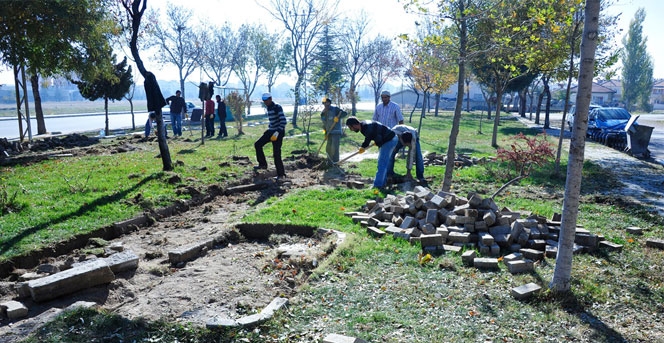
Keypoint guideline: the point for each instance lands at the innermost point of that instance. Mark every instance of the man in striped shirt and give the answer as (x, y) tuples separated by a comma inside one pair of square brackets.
[(274, 133), (387, 112)]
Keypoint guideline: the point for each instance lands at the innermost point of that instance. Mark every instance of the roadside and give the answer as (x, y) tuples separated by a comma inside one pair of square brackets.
[(643, 181)]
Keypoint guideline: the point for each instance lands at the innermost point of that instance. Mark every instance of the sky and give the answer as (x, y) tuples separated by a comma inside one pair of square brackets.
[(386, 17)]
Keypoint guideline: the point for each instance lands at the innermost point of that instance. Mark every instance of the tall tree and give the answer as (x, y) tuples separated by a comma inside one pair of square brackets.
[(560, 282), (637, 68), (54, 37), (221, 54), (178, 43), (278, 62), (113, 86), (327, 72), (135, 10), (249, 66), (304, 20)]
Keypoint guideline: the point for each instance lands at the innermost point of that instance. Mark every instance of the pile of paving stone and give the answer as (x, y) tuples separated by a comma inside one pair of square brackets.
[(460, 160), (445, 222)]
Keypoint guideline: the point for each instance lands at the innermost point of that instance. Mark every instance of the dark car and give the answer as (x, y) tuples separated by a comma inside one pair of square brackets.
[(572, 112)]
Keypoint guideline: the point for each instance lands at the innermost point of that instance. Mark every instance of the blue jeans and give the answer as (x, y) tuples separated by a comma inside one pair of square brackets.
[(176, 124), (419, 160), (384, 158)]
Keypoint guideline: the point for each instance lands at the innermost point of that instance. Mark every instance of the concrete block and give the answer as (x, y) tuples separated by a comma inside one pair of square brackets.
[(459, 237), (551, 251), (475, 200), (335, 338), (525, 291), (489, 218), (452, 248), (520, 266), (13, 309), (375, 232), (499, 230), (495, 249), (438, 201), (431, 240), (122, 261), (360, 217), (481, 225), (610, 246), (655, 243), (468, 257), (486, 238), (532, 254), (189, 252), (537, 244), (469, 227), (634, 230), (443, 232), (486, 263), (88, 275), (432, 217), (513, 257), (408, 222), (428, 229)]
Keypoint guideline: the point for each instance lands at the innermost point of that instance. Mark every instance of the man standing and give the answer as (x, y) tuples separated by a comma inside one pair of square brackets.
[(209, 118), (221, 113), (407, 136), (330, 117), (274, 133), (387, 112), (178, 108), (385, 139)]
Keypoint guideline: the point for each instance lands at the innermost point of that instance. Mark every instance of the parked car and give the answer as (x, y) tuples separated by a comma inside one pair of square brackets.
[(190, 106), (572, 111), (608, 118)]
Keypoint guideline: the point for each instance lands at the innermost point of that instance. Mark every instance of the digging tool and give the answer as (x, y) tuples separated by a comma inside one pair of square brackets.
[(353, 154)]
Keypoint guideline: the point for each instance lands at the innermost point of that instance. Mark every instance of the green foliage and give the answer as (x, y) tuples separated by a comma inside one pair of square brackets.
[(9, 202), (237, 106), (637, 71), (113, 85)]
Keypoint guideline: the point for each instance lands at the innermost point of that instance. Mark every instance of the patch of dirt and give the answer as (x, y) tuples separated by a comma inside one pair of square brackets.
[(230, 280)]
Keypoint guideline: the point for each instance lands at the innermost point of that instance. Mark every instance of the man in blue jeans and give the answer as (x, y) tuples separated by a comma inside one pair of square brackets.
[(178, 107), (407, 136), (385, 139)]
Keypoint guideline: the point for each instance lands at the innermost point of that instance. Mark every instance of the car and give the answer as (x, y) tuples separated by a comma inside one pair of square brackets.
[(608, 118), (166, 110), (572, 111)]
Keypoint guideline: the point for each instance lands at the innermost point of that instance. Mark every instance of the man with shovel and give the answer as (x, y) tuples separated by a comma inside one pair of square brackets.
[(330, 117), (385, 139)]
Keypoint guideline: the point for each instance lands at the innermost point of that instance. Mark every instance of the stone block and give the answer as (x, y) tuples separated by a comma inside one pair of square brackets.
[(88, 275), (588, 240), (431, 240), (471, 212), (486, 238), (13, 309), (432, 217), (452, 248), (442, 230), (375, 232), (537, 244), (469, 227), (189, 252), (489, 218), (532, 254), (458, 237), (122, 261), (486, 263), (551, 251), (502, 221), (428, 229), (468, 257), (655, 243), (495, 250), (408, 222), (481, 225), (438, 201), (499, 230), (359, 218), (514, 247), (525, 291), (335, 338), (475, 200), (634, 230), (610, 246), (520, 266), (513, 257)]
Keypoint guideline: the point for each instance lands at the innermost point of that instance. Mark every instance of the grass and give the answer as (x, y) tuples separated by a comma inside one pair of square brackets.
[(375, 289)]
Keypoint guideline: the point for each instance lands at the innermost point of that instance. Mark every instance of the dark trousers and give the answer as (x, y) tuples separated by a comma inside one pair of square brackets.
[(222, 128), (276, 151), (209, 126)]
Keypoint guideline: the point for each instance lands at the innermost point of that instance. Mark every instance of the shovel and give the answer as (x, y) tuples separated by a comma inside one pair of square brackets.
[(353, 154)]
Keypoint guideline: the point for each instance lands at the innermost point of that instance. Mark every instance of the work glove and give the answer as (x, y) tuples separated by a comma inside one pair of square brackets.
[(324, 131), (362, 150), (336, 119), (275, 136)]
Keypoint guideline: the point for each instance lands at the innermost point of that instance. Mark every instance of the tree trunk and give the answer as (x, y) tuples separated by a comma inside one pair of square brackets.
[(131, 109), (435, 113), (298, 84), (39, 112), (560, 282), (496, 119), (547, 109), (410, 119), (523, 102), (106, 131), (540, 98)]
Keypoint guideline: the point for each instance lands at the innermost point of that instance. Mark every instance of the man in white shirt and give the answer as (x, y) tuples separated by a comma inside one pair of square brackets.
[(387, 112)]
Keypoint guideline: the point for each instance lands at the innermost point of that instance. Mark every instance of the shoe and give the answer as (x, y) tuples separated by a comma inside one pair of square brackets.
[(280, 178), (257, 168)]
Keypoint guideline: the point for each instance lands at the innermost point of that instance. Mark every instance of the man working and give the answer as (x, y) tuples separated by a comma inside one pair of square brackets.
[(407, 136), (387, 112), (274, 133), (330, 117), (177, 107), (385, 139)]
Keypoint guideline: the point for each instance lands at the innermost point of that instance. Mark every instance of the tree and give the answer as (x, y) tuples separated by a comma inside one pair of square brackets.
[(114, 87), (386, 63), (327, 72), (278, 62), (53, 37), (637, 66), (304, 20), (358, 56), (220, 56), (135, 10), (560, 282), (178, 43), (249, 65)]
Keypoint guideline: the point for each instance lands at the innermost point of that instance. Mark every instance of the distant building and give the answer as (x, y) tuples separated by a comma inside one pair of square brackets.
[(601, 95)]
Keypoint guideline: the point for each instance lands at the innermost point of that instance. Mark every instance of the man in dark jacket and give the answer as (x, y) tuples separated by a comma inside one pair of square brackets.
[(221, 113), (274, 133), (178, 108), (385, 139)]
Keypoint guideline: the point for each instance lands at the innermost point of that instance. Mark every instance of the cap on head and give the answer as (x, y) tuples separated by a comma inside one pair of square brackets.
[(326, 99), (266, 96), (385, 93)]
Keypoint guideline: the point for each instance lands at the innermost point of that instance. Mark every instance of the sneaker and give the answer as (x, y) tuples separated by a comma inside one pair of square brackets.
[(257, 168), (280, 178)]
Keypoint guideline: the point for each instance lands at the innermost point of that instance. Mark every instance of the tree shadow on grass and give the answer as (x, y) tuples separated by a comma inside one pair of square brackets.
[(86, 208)]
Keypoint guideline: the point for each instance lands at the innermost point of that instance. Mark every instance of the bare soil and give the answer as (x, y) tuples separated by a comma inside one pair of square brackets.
[(232, 280)]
